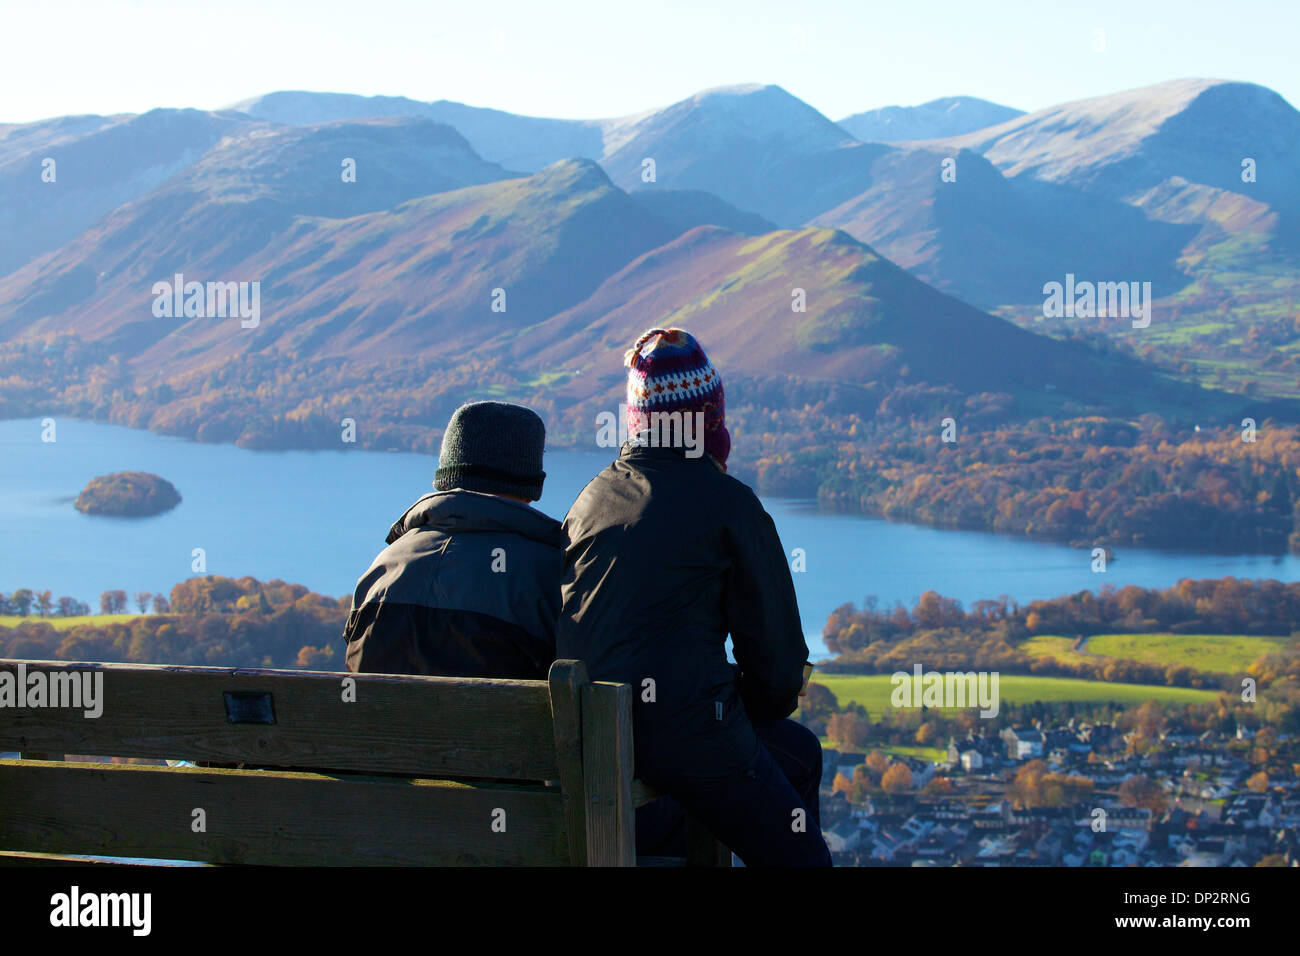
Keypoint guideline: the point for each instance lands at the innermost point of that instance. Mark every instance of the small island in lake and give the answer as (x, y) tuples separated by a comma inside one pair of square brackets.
[(130, 494)]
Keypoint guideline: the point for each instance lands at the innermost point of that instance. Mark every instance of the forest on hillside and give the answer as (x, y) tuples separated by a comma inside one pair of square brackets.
[(210, 621), (894, 449), (988, 636)]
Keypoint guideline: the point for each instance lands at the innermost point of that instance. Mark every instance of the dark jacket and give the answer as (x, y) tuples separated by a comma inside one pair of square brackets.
[(666, 555), (432, 602)]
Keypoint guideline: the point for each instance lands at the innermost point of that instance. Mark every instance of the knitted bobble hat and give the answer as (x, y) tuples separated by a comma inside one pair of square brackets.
[(669, 372), (494, 448)]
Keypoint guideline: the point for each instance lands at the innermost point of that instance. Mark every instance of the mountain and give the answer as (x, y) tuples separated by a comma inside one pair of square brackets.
[(358, 295), (991, 240), (216, 218), (526, 143), (949, 116), (342, 281), (100, 162), (1149, 181), (1171, 151), (1139, 145), (438, 274), (866, 320), (757, 147), (734, 142)]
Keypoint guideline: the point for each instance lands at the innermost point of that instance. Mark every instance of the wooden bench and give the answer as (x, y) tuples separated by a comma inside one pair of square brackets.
[(351, 769)]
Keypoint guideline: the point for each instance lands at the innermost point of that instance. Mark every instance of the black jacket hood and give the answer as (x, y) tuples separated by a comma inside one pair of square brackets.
[(459, 511)]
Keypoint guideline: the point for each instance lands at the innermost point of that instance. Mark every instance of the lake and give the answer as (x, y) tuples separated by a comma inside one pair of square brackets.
[(318, 518)]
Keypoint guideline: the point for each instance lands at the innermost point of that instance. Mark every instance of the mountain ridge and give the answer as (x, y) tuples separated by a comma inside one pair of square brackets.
[(935, 119)]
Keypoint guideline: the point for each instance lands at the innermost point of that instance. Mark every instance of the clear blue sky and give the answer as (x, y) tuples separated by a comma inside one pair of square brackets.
[(597, 58)]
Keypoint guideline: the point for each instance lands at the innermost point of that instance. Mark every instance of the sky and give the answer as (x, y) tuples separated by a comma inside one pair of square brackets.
[(601, 58)]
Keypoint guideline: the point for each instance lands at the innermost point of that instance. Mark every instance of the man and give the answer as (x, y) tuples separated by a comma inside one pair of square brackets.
[(666, 556), (469, 583)]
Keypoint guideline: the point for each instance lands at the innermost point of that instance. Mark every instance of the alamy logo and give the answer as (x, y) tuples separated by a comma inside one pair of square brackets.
[(663, 430), (951, 689), (213, 300), (75, 908), (80, 690), (1087, 300)]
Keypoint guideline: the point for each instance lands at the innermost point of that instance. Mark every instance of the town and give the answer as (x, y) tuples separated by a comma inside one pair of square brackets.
[(1017, 799)]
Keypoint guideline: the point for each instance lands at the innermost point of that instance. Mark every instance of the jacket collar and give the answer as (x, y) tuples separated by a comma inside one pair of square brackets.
[(633, 451), (459, 510)]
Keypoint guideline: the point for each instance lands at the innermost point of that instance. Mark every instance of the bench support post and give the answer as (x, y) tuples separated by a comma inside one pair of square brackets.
[(567, 680), (607, 767)]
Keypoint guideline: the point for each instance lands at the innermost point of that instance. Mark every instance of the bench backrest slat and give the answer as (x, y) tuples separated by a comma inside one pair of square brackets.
[(275, 818), (423, 726)]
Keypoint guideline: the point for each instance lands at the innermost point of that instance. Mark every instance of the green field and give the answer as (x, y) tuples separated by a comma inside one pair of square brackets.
[(1049, 645), (64, 623), (932, 754), (872, 691), (1216, 653)]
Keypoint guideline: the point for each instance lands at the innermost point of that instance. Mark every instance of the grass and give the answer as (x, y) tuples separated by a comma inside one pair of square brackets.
[(1057, 648), (872, 691), (1213, 653), (66, 623), (932, 754)]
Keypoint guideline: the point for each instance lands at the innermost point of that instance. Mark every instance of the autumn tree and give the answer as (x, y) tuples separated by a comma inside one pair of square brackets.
[(817, 707), (938, 787), (1035, 785), (44, 603), (849, 730), (142, 600), (1141, 791), (877, 763), (315, 658), (209, 593), (254, 602), (112, 602), (897, 779), (841, 784), (22, 601), (1258, 783)]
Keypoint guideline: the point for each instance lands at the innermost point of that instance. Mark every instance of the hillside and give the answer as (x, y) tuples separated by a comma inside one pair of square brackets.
[(873, 691), (574, 256), (1201, 156), (100, 162), (866, 319), (991, 240), (216, 219)]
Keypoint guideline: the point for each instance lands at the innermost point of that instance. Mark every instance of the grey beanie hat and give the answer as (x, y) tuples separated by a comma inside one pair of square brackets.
[(495, 448)]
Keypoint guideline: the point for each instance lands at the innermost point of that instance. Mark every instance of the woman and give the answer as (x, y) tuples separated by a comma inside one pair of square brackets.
[(666, 555)]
